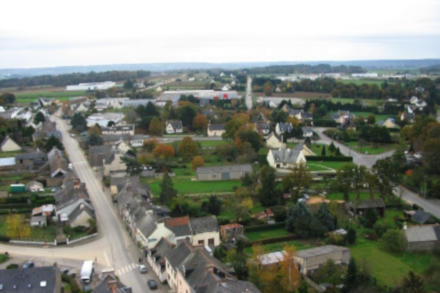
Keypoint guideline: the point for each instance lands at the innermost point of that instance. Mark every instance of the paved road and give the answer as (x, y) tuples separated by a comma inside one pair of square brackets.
[(114, 248), (431, 206), (249, 93), (358, 158)]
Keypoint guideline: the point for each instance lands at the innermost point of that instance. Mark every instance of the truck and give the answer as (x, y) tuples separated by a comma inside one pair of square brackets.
[(87, 271)]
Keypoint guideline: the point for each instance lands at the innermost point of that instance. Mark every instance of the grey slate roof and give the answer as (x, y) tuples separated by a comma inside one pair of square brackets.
[(100, 153), (321, 250), (423, 233), (368, 203), (176, 124), (285, 127), (216, 127), (105, 287), (420, 217), (36, 156), (288, 156), (177, 255), (29, 280), (204, 224), (221, 169)]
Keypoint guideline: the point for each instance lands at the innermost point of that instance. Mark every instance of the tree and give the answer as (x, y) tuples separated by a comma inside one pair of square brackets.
[(394, 241), (163, 151), (299, 219), (39, 117), (94, 139), (213, 205), (239, 261), (15, 228), (167, 191), (371, 119), (128, 84), (78, 122), (268, 193), (323, 153), (299, 178), (186, 113), (155, 127), (188, 148), (197, 161), (200, 123), (242, 209), (369, 219), (431, 155), (52, 142), (268, 88), (350, 237), (133, 166), (351, 278), (7, 98), (325, 217), (146, 114), (412, 284)]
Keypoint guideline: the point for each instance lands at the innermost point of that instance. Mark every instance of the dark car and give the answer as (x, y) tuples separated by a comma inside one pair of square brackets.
[(152, 284), (28, 265)]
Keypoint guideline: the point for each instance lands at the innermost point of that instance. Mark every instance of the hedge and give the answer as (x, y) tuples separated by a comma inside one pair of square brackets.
[(330, 158), (273, 240), (325, 123), (264, 227)]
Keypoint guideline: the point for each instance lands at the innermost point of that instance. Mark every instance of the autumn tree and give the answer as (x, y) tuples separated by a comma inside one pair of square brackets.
[(200, 123), (15, 228), (268, 88), (299, 178), (188, 148), (155, 127), (163, 151), (197, 161), (150, 144)]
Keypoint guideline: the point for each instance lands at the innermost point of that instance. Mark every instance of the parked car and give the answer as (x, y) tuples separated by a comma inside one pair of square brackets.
[(143, 269), (152, 284), (27, 265)]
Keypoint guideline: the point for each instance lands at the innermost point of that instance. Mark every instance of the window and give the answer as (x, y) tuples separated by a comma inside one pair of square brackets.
[(211, 241), (201, 242)]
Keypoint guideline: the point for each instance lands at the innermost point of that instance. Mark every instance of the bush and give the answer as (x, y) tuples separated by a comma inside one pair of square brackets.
[(12, 266), (380, 227), (72, 282), (264, 227), (394, 241)]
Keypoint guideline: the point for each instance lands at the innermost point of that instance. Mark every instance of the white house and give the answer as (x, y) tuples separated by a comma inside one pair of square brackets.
[(9, 145), (173, 126), (104, 119), (286, 158), (215, 130), (275, 142)]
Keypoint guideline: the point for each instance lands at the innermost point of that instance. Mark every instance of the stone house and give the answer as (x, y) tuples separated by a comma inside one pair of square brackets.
[(215, 130), (173, 126), (228, 172), (313, 258)]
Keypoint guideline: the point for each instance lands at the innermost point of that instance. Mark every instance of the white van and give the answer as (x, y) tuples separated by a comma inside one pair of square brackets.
[(87, 271)]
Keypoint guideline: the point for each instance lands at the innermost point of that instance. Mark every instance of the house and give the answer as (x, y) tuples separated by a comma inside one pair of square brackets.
[(115, 166), (286, 158), (106, 119), (46, 210), (117, 181), (264, 215), (263, 128), (313, 258), (274, 141), (32, 280), (283, 128), (205, 231), (423, 238), (228, 172), (73, 206), (38, 221), (307, 132), (47, 129), (180, 227), (100, 155), (173, 126), (359, 207), (215, 130), (7, 164), (9, 145), (126, 129), (193, 269), (388, 123), (58, 167), (156, 258), (231, 232), (35, 186), (111, 284), (343, 118), (300, 115), (31, 161), (115, 103)]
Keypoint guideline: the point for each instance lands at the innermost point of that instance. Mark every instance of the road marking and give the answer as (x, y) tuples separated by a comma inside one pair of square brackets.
[(126, 269)]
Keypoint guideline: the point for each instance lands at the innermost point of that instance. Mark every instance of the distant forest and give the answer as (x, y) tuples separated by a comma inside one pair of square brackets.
[(73, 78), (306, 69), (435, 69)]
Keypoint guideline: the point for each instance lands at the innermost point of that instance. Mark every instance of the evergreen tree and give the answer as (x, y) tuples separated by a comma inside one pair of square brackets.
[(167, 192), (351, 278), (268, 193), (78, 122), (323, 152), (325, 217), (350, 237), (299, 219), (39, 117)]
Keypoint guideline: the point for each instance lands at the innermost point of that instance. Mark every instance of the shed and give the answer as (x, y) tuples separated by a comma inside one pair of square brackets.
[(359, 207), (16, 188)]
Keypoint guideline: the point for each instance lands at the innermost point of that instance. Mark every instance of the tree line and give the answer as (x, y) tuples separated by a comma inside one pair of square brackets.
[(73, 78), (306, 69)]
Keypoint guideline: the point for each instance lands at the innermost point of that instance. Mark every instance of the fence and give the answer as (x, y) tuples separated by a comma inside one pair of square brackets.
[(70, 242), (37, 243)]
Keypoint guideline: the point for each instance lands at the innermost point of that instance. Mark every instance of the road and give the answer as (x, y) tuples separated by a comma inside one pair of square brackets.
[(429, 205), (248, 96), (358, 158), (114, 248)]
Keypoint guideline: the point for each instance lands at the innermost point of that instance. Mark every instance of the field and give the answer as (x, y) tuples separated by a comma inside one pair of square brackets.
[(31, 96), (361, 81), (297, 94), (207, 144), (379, 117), (389, 269), (187, 186), (372, 149), (324, 166), (37, 234), (366, 102), (260, 235)]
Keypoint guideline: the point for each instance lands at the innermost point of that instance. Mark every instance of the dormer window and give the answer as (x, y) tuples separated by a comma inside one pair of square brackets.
[(43, 284)]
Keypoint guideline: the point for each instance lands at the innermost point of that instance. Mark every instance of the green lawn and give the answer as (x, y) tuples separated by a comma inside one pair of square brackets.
[(379, 117), (299, 245), (340, 196), (210, 143), (370, 148), (9, 154), (31, 96), (389, 269), (324, 165), (184, 185), (260, 235), (37, 234)]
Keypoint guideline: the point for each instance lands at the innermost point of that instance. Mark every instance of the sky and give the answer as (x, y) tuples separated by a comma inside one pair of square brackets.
[(47, 33)]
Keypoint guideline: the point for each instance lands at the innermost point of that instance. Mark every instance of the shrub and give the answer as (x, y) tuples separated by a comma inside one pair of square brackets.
[(394, 241), (12, 266)]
